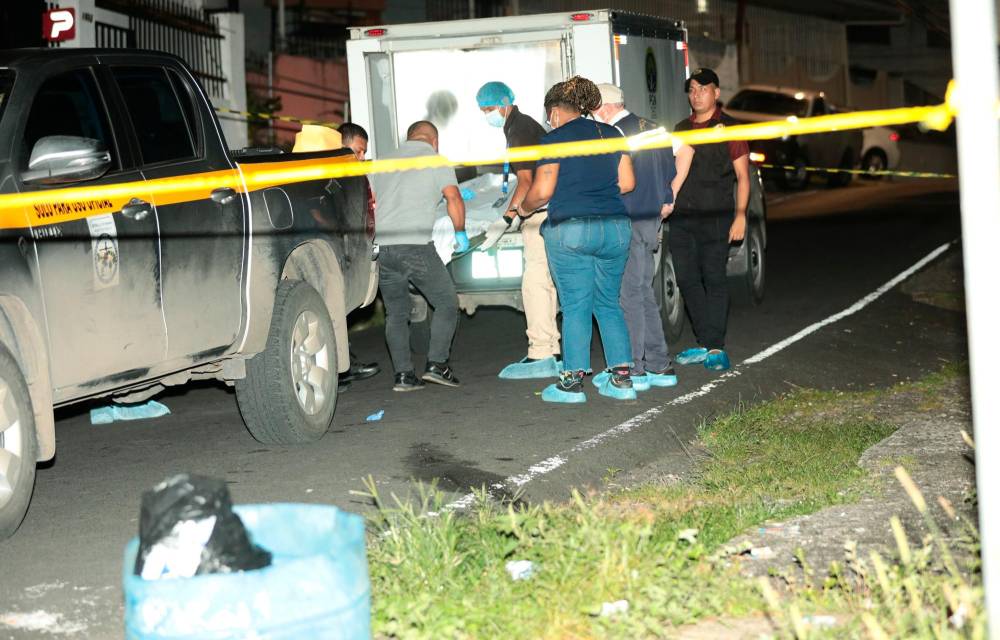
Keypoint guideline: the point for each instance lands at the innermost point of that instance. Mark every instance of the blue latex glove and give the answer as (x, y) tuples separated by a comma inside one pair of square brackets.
[(467, 194), (461, 242)]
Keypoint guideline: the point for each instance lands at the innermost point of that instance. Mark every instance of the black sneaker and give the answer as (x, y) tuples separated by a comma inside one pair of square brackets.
[(568, 390), (621, 378), (440, 373), (360, 371), (407, 381)]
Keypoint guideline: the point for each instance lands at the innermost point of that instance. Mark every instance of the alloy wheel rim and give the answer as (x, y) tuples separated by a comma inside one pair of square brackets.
[(310, 363), (11, 443)]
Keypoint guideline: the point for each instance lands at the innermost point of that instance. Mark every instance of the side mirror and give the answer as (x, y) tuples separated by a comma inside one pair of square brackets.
[(65, 159)]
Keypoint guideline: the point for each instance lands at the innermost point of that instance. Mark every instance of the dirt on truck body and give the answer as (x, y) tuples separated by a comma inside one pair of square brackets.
[(136, 256)]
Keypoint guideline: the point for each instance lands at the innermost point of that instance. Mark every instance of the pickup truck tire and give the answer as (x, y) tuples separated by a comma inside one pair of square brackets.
[(18, 445), (668, 296), (290, 390)]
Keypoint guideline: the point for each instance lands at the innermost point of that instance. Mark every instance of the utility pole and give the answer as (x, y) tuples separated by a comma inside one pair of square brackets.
[(974, 60)]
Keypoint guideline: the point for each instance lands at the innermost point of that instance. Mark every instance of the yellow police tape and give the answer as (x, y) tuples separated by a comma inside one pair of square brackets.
[(274, 116), (860, 172), (259, 176)]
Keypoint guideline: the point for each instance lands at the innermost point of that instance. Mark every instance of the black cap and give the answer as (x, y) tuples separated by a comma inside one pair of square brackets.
[(703, 76)]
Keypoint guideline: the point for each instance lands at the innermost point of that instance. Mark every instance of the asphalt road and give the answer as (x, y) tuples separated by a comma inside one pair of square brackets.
[(60, 575)]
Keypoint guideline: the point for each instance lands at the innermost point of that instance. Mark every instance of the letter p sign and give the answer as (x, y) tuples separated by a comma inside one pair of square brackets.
[(59, 25)]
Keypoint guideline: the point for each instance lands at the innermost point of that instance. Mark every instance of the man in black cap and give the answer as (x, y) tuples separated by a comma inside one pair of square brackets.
[(705, 220)]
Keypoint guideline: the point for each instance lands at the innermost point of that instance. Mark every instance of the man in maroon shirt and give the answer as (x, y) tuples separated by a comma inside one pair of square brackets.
[(705, 220)]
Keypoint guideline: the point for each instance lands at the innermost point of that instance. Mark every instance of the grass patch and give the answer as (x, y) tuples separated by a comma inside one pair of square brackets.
[(654, 546)]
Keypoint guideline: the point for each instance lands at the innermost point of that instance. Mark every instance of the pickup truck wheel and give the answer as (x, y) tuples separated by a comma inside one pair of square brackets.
[(668, 295), (18, 446), (290, 391)]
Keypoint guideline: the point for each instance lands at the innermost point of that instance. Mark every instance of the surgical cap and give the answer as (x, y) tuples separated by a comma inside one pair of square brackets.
[(495, 94)]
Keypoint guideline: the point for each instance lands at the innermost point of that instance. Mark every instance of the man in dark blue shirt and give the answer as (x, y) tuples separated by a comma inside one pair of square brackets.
[(656, 177)]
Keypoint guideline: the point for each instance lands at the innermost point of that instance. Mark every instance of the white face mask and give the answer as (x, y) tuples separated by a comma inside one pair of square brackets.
[(495, 118), (552, 121)]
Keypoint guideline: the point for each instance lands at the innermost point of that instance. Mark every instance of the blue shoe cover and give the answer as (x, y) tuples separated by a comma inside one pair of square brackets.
[(717, 361), (544, 368), (603, 383), (553, 393), (115, 412), (641, 382), (693, 355), (660, 380)]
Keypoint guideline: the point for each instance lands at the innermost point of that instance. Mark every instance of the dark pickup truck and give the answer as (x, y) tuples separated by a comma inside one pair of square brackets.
[(138, 252)]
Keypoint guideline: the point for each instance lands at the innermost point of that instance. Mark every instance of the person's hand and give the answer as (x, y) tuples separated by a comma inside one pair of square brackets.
[(666, 210), (461, 242), (738, 228)]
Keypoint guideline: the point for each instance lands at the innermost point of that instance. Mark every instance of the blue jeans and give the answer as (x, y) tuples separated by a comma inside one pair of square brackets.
[(587, 259)]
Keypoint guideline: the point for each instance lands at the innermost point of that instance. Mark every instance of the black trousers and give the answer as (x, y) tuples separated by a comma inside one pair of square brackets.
[(419, 264), (699, 245)]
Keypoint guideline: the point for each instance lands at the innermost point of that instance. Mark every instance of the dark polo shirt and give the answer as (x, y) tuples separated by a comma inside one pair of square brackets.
[(522, 131)]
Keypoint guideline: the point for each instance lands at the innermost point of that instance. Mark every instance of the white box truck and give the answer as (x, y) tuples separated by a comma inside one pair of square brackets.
[(402, 73)]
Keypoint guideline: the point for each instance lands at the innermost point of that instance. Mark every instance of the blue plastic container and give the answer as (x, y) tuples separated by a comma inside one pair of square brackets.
[(316, 586)]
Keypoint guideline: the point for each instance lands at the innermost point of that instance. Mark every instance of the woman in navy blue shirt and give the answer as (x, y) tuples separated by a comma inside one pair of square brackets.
[(587, 236)]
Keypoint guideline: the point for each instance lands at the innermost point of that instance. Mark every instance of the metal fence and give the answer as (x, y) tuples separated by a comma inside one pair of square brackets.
[(167, 25), (108, 35)]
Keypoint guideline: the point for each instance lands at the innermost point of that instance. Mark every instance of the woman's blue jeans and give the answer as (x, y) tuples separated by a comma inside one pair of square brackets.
[(587, 258)]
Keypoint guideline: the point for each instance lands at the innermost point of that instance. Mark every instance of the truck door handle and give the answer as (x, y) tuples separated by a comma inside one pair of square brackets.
[(223, 195), (136, 209)]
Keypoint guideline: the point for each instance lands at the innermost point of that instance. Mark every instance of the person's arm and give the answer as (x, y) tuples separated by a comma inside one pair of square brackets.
[(739, 226), (456, 207), (542, 187), (626, 177), (524, 179), (682, 163)]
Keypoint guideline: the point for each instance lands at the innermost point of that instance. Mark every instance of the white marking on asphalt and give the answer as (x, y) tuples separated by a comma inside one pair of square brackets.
[(854, 308), (551, 464)]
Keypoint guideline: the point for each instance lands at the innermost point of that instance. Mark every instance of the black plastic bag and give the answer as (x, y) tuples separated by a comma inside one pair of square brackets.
[(187, 527)]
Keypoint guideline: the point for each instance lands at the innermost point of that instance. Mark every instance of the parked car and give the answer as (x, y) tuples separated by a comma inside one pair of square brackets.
[(833, 149), (880, 151), (138, 253)]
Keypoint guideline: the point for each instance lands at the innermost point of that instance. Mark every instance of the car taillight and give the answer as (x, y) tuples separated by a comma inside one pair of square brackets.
[(581, 17), (894, 136), (375, 33), (370, 217)]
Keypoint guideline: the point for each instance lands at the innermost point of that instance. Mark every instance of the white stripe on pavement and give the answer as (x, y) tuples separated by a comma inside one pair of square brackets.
[(551, 464)]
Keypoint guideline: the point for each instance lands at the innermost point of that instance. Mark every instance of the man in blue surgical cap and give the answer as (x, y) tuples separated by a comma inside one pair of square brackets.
[(496, 100)]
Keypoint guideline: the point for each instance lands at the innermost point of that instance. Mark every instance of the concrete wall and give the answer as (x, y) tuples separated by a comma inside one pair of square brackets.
[(309, 88)]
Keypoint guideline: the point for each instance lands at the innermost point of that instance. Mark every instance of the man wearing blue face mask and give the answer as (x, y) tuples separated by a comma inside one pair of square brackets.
[(496, 100)]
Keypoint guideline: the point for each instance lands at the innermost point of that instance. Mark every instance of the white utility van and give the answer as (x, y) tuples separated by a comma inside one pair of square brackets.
[(403, 73)]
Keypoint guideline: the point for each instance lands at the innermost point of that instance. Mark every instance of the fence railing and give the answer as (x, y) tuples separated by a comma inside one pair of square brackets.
[(191, 33)]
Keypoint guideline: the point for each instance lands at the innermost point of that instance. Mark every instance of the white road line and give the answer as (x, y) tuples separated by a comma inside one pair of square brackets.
[(549, 465)]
